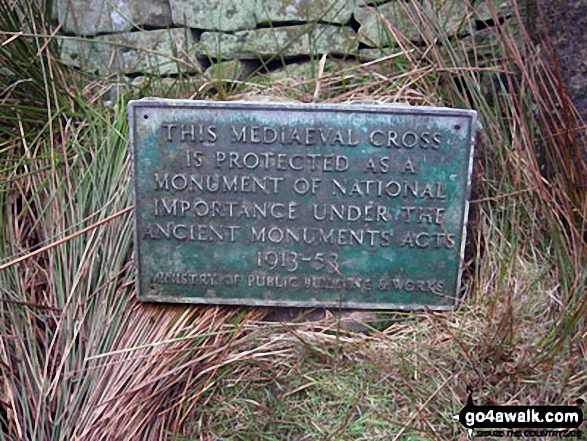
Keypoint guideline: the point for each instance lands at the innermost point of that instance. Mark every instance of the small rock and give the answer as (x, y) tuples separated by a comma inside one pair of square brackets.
[(357, 321), (483, 46), (4, 71), (307, 71), (375, 54), (227, 71), (167, 87), (295, 73), (114, 91), (483, 10)]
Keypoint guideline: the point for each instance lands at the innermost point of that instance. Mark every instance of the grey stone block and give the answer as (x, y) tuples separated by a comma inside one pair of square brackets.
[(410, 18), (330, 11), (162, 52), (375, 31), (222, 46), (91, 17), (221, 15), (284, 41)]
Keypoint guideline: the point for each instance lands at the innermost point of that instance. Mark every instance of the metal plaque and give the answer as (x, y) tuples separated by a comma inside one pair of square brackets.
[(352, 206)]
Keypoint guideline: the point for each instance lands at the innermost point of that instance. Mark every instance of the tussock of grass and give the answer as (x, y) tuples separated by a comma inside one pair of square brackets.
[(81, 359)]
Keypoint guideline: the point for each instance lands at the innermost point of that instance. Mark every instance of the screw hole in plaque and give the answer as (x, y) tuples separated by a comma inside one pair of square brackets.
[(146, 116), (457, 127)]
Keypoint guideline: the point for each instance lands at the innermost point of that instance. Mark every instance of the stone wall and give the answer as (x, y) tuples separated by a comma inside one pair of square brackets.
[(230, 38)]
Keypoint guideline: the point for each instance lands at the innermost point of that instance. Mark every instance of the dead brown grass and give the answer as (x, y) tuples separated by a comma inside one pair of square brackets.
[(81, 359)]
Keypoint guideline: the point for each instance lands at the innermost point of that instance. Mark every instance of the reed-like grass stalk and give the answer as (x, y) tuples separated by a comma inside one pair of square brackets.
[(81, 359)]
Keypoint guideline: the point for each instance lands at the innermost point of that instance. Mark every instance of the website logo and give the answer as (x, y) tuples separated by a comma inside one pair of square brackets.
[(523, 418)]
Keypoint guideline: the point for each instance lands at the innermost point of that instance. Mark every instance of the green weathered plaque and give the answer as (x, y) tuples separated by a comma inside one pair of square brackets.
[(349, 206)]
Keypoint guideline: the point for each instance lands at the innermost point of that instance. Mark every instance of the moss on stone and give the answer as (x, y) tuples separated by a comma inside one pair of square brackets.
[(162, 51), (222, 15), (284, 41)]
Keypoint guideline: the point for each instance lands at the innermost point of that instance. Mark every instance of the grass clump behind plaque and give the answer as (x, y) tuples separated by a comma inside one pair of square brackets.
[(81, 359)]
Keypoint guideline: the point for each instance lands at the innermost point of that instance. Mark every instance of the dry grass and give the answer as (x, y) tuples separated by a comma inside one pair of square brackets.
[(81, 359)]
